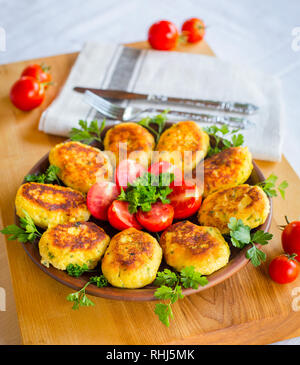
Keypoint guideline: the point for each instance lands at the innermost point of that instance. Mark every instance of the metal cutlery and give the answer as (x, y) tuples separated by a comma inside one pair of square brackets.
[(225, 106), (130, 113)]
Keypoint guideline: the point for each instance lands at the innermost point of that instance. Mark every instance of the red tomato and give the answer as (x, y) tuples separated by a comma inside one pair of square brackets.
[(27, 93), (290, 239), (284, 269), (39, 72), (193, 29), (185, 199), (120, 217), (164, 166), (127, 171), (99, 198), (158, 218), (163, 35)]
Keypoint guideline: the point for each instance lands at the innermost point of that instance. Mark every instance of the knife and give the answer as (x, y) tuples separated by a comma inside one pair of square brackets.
[(225, 106)]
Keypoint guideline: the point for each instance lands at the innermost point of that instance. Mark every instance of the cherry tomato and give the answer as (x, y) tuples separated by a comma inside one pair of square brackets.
[(193, 29), (158, 218), (164, 166), (284, 269), (39, 72), (120, 217), (290, 239), (99, 198), (185, 199), (127, 171), (27, 93), (163, 35)]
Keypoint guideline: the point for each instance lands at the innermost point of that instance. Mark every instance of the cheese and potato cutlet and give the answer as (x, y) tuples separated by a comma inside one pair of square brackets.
[(186, 136), (245, 202), (226, 169), (187, 244), (130, 138), (76, 243), (131, 259), (80, 165), (49, 205)]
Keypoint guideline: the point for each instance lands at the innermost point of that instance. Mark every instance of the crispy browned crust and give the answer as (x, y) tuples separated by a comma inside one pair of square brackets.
[(89, 237), (132, 252), (68, 198), (188, 236)]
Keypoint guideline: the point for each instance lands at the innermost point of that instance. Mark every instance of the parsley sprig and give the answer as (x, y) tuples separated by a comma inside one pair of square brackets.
[(170, 288), (26, 233), (88, 132), (48, 177), (146, 190), (241, 236), (269, 186), (80, 299), (77, 270), (158, 120), (221, 142)]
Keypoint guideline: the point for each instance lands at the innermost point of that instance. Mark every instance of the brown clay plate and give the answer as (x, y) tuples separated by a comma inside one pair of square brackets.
[(237, 258)]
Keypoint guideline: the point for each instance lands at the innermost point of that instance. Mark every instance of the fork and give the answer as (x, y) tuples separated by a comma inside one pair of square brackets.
[(130, 113)]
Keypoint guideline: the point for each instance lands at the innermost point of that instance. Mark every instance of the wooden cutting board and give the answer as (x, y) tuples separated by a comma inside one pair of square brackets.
[(246, 309)]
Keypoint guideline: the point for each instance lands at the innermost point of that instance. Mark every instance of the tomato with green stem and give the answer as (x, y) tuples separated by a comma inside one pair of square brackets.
[(163, 35), (290, 238), (284, 269), (39, 72)]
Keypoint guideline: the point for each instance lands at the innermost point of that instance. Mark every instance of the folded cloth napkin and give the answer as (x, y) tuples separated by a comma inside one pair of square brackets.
[(172, 74)]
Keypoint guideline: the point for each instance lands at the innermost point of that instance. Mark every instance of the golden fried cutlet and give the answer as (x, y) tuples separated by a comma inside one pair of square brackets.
[(49, 205), (132, 259), (79, 243), (186, 244), (245, 202), (184, 144), (228, 168), (81, 166)]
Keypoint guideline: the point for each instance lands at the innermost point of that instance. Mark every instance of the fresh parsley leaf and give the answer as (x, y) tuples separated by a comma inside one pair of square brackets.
[(88, 132), (256, 256), (239, 233), (76, 270), (240, 236), (147, 190), (158, 120), (80, 299), (171, 289), (261, 237), (221, 142), (164, 312), (191, 278), (269, 186), (50, 176), (166, 277), (100, 281), (26, 233)]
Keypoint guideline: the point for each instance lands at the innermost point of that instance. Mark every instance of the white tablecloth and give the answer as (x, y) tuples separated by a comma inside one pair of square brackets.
[(251, 32)]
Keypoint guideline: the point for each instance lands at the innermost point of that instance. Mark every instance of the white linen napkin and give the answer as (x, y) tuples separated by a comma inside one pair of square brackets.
[(172, 74)]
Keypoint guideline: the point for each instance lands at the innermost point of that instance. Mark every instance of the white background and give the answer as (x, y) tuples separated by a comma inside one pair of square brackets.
[(256, 33)]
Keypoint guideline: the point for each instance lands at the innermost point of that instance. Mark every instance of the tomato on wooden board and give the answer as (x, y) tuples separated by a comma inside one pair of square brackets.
[(99, 198), (158, 218), (163, 35), (120, 217), (128, 171), (27, 93), (39, 72), (284, 269), (193, 29), (290, 238), (185, 199)]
